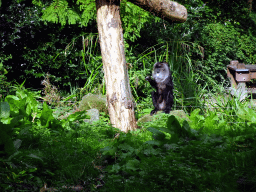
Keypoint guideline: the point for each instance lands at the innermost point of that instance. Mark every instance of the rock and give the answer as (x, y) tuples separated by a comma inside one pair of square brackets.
[(94, 114), (91, 101)]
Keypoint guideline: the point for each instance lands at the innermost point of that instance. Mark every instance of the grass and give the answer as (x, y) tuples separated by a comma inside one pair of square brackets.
[(213, 151)]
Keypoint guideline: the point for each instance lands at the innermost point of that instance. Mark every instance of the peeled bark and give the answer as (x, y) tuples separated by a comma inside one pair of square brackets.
[(119, 97), (168, 10)]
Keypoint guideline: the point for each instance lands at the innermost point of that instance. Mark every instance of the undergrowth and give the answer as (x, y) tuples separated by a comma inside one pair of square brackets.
[(213, 150)]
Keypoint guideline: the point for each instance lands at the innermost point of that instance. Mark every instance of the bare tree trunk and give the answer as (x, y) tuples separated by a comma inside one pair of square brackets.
[(119, 97)]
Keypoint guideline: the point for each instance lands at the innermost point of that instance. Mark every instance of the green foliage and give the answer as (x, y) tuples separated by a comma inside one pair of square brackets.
[(20, 113), (22, 121), (162, 156), (214, 150), (214, 33), (133, 20), (58, 50), (139, 163), (70, 63), (226, 43), (4, 84), (177, 132), (81, 12), (178, 162), (61, 11), (41, 49), (5, 131)]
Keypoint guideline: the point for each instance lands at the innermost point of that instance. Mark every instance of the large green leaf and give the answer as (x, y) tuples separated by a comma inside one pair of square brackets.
[(46, 115), (14, 103), (246, 114), (7, 141), (4, 110)]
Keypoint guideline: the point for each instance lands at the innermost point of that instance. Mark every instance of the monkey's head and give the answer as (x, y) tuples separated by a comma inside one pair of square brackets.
[(161, 72)]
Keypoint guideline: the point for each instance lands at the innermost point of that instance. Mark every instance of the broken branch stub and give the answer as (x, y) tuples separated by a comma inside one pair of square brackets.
[(168, 10)]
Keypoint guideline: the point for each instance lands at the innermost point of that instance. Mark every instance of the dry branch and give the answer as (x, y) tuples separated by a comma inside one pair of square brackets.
[(168, 10)]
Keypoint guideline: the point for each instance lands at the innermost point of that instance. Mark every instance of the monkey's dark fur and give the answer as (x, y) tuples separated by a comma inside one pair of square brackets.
[(162, 82)]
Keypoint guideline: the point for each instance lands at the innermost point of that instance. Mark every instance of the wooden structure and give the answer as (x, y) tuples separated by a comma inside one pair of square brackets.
[(241, 77)]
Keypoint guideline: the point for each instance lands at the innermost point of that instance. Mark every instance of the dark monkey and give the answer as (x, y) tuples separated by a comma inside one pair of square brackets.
[(162, 82)]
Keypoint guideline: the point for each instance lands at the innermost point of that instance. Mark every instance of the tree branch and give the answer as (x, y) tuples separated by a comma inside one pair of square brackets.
[(168, 10)]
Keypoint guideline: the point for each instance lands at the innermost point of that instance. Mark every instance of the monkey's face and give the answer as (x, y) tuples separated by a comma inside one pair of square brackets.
[(161, 72)]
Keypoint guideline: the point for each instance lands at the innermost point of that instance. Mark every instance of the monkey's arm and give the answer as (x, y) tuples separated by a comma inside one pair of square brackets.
[(152, 82), (169, 83)]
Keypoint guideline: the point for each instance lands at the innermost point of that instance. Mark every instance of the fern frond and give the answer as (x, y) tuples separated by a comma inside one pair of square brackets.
[(133, 19), (59, 11)]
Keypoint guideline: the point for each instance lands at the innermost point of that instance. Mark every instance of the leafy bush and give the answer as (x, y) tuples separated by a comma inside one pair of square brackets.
[(38, 49), (4, 83), (21, 114), (23, 122), (223, 43), (152, 165)]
